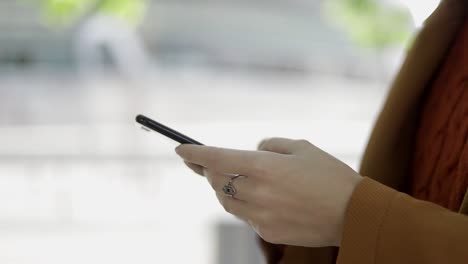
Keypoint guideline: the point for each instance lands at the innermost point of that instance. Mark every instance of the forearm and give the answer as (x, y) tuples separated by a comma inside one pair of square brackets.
[(385, 226)]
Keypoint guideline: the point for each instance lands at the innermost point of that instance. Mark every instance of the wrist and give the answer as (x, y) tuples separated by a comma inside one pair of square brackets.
[(343, 206)]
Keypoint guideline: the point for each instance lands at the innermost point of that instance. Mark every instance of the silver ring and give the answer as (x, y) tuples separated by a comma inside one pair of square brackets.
[(229, 189)]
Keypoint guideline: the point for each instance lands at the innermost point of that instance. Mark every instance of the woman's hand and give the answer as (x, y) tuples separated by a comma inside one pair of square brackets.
[(293, 193)]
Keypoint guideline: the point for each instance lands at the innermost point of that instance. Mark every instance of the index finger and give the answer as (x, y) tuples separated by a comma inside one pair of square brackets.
[(222, 160)]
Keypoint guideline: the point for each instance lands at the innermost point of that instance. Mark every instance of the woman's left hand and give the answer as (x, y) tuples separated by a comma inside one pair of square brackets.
[(293, 193)]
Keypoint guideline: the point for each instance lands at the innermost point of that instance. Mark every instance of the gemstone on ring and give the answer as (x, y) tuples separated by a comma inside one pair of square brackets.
[(229, 189)]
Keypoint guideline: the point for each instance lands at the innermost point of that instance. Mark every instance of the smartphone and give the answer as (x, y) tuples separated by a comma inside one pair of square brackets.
[(149, 124)]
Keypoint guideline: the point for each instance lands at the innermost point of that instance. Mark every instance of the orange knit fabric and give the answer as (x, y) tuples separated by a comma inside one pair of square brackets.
[(440, 164)]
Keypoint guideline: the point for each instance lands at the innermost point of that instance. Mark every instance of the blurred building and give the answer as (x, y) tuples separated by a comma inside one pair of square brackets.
[(283, 36)]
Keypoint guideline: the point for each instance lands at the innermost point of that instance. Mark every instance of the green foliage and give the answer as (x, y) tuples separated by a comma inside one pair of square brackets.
[(130, 10), (60, 12), (65, 12), (371, 23)]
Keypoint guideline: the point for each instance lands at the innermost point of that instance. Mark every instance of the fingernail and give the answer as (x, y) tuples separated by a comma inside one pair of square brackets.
[(177, 150)]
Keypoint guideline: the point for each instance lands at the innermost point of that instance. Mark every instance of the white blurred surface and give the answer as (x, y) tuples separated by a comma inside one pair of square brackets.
[(96, 188)]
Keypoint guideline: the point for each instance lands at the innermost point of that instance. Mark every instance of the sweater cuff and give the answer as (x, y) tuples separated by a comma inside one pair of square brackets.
[(367, 210)]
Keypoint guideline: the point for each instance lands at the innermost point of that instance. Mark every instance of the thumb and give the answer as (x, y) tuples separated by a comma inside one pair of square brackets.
[(260, 145), (280, 145)]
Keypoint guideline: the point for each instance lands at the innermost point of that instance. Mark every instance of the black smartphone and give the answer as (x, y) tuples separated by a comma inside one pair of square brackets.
[(149, 124)]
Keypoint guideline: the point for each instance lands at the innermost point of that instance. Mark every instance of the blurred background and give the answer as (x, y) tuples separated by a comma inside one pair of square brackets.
[(80, 183)]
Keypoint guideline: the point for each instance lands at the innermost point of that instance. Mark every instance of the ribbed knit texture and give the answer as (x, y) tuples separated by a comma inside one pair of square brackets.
[(440, 164)]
